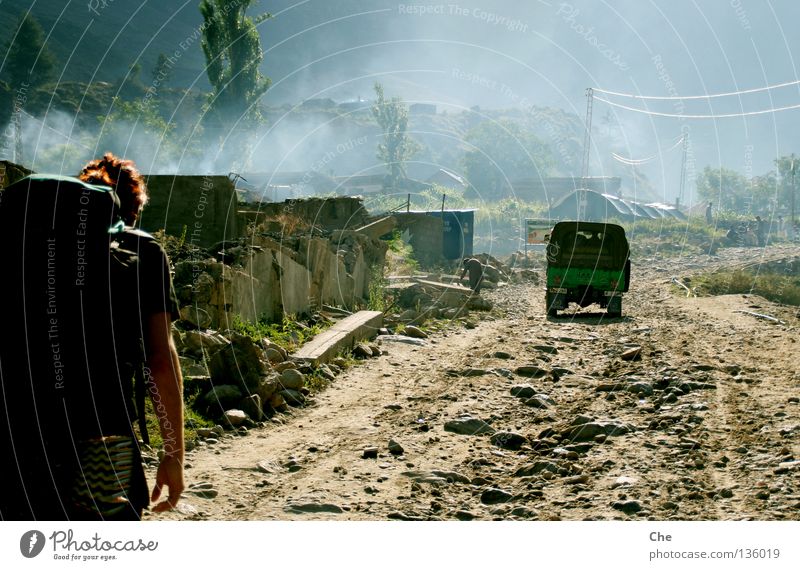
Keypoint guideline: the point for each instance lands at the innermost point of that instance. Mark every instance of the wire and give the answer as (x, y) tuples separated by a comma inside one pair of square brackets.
[(681, 116), (637, 161), (712, 96)]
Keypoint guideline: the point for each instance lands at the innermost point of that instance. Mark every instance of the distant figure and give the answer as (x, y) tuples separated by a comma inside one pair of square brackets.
[(710, 213), (761, 231), (475, 269), (781, 227)]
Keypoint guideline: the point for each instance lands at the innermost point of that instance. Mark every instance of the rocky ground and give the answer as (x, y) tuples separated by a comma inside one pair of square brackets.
[(684, 409)]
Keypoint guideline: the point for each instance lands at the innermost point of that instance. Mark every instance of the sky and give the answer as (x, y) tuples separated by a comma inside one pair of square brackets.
[(500, 54)]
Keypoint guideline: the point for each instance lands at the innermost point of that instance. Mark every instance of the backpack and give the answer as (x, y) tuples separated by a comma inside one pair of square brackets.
[(66, 367)]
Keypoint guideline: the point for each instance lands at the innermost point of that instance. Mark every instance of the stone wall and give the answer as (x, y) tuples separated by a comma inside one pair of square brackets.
[(274, 278), (203, 208), (341, 212)]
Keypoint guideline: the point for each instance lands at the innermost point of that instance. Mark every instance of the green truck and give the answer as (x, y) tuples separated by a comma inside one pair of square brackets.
[(587, 263)]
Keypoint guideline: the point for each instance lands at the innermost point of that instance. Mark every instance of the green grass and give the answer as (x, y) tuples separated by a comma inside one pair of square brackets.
[(191, 422), (289, 333), (778, 287), (672, 237)]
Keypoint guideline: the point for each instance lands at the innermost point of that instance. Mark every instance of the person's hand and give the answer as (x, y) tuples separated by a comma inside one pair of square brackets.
[(170, 473)]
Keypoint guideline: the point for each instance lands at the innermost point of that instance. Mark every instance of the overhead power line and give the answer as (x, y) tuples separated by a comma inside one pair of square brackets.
[(638, 161), (713, 116), (687, 97)]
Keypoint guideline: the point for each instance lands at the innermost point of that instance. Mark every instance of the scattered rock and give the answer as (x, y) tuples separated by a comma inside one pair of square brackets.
[(195, 316), (414, 332), (326, 372), (590, 430), (273, 355), (508, 440), (241, 363), (203, 490), (541, 401), (634, 353), (370, 453), (362, 351), (627, 507), (292, 379), (292, 397), (640, 388), (523, 391), (269, 467), (235, 417), (502, 355), (281, 366), (624, 481), (452, 477), (252, 406), (468, 372), (465, 515), (495, 496), (537, 467), (531, 371), (305, 508), (468, 425), (223, 397), (787, 466), (395, 448)]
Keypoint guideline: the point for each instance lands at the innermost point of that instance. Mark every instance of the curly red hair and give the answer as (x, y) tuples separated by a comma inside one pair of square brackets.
[(124, 178)]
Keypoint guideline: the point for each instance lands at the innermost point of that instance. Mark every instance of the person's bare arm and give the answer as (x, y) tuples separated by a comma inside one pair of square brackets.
[(166, 392)]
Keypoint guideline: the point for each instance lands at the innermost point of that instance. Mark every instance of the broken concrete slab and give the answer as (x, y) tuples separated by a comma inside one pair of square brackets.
[(344, 334)]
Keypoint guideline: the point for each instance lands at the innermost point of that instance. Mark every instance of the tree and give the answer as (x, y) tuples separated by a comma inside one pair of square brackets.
[(232, 49), (28, 60), (500, 152), (726, 188), (162, 71), (397, 147)]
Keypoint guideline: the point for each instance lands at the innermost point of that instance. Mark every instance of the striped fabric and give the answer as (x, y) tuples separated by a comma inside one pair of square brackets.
[(105, 478)]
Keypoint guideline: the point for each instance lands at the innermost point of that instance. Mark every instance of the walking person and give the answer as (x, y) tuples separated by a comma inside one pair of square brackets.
[(475, 269), (88, 300)]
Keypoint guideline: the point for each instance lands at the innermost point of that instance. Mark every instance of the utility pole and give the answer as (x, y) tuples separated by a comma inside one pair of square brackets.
[(793, 193), (587, 144), (683, 170)]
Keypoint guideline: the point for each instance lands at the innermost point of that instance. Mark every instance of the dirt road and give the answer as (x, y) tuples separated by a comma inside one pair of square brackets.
[(703, 425)]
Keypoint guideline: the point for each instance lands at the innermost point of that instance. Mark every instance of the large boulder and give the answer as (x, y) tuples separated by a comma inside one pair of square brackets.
[(292, 379), (199, 344), (221, 398), (241, 363)]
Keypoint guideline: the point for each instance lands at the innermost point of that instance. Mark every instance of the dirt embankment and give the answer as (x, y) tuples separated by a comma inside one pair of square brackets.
[(525, 417)]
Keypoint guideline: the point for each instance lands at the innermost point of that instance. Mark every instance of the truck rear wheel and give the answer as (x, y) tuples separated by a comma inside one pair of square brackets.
[(548, 303), (614, 307)]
